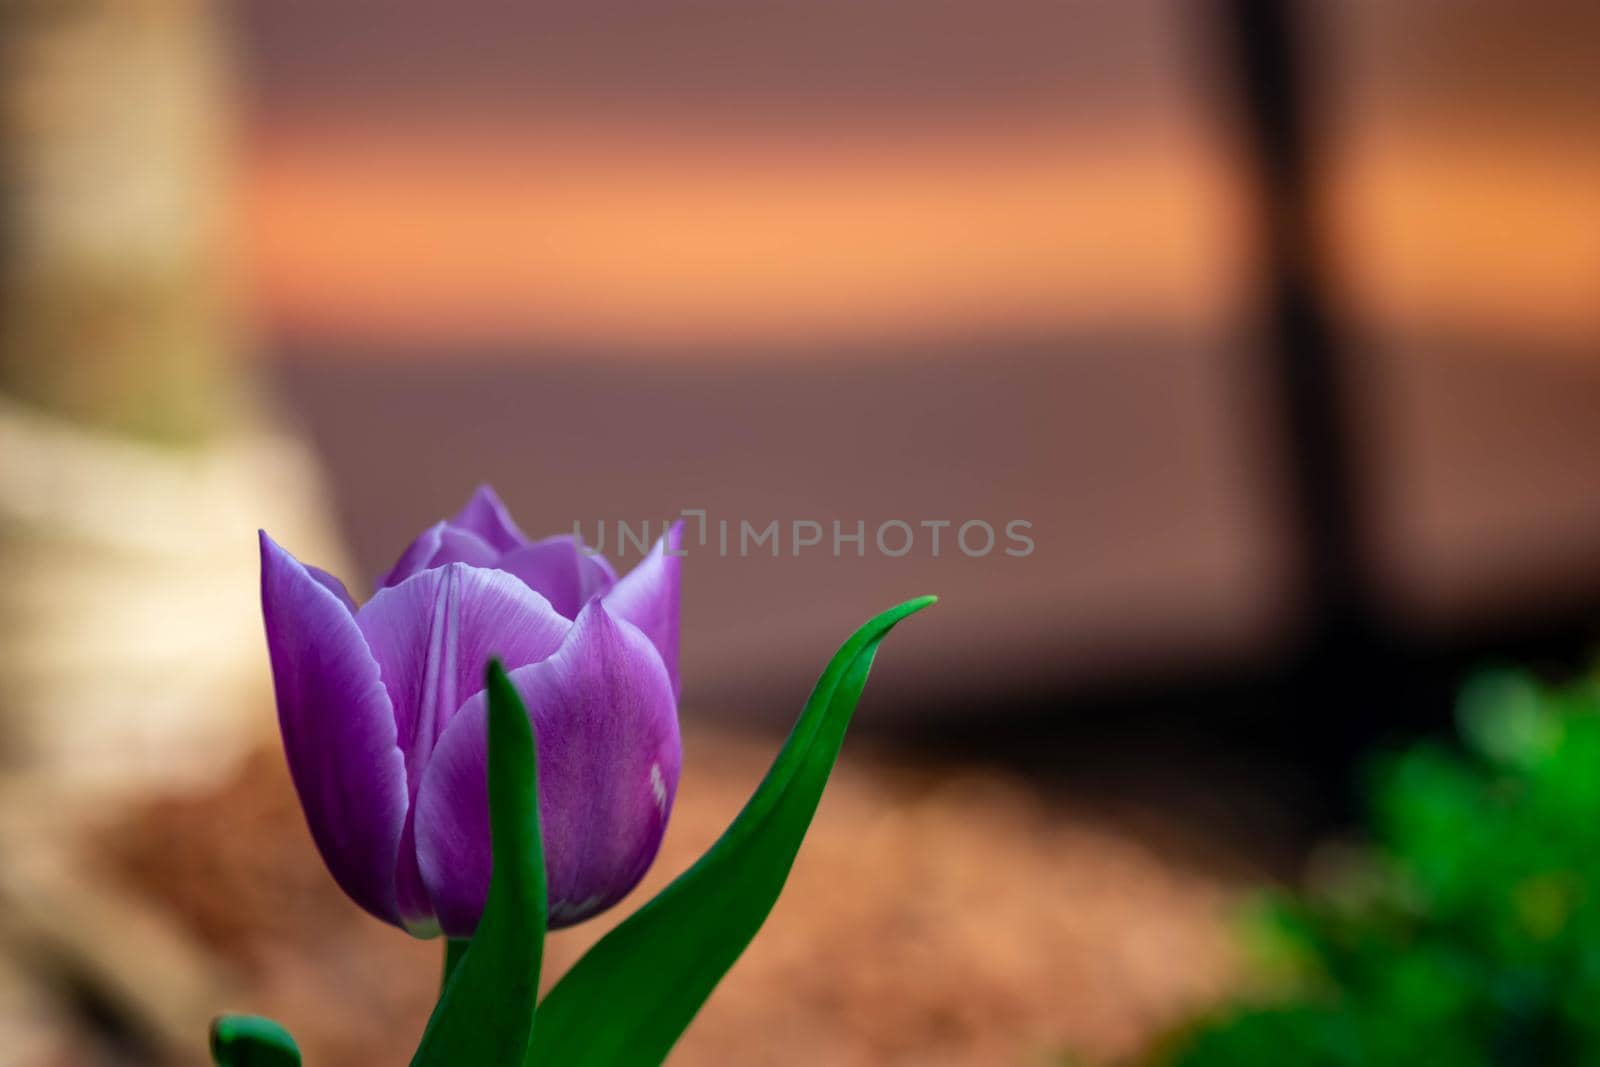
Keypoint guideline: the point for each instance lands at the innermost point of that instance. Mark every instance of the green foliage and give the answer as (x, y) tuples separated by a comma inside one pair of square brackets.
[(485, 1013), (1468, 933)]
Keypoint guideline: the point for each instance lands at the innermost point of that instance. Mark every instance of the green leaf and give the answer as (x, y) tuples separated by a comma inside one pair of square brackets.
[(455, 950), (485, 1014), (251, 1041), (629, 999)]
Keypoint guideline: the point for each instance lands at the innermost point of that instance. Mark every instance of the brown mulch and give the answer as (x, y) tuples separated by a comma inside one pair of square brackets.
[(935, 916)]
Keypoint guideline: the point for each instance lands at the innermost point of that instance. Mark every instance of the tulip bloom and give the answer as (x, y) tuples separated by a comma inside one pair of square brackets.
[(383, 713)]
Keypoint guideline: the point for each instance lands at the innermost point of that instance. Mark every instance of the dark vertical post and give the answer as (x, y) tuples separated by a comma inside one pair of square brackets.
[(1269, 64), (1332, 703)]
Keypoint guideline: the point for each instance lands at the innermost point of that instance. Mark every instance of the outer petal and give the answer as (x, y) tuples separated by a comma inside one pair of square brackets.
[(559, 568), (432, 636), (333, 585), (647, 596), (609, 756), (487, 517), (338, 730)]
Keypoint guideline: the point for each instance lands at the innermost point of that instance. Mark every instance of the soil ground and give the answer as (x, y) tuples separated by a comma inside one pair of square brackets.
[(937, 915)]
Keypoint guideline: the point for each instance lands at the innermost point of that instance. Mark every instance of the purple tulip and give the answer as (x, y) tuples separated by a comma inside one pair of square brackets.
[(383, 713)]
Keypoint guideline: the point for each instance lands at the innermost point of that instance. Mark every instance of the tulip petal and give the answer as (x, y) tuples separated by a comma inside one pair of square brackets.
[(459, 545), (609, 756), (333, 585), (338, 730), (648, 597), (416, 557), (562, 571), (487, 517), (436, 546), (433, 635)]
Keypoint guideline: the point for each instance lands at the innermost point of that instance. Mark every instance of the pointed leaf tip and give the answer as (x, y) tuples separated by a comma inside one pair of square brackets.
[(629, 999)]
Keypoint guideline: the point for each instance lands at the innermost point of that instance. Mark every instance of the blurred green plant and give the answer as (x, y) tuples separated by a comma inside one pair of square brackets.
[(1467, 932)]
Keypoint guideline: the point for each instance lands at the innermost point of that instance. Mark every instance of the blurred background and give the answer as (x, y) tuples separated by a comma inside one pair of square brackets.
[(1276, 320)]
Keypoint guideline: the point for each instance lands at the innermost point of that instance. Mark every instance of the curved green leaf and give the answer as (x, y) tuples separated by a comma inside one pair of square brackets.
[(251, 1041), (629, 999), (485, 1014)]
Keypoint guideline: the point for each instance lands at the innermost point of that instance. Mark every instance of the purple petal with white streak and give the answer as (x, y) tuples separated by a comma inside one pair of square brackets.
[(433, 635), (609, 757)]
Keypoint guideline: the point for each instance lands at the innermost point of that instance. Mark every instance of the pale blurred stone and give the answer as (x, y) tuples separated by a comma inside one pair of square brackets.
[(133, 656)]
